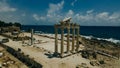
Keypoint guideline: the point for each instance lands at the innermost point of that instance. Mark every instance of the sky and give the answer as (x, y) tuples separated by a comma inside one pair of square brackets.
[(50, 12)]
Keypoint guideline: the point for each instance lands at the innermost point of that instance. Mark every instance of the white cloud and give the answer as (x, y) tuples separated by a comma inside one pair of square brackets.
[(90, 17), (103, 15), (70, 13), (53, 13), (43, 18), (36, 17), (94, 18), (101, 19), (54, 8), (7, 12), (90, 11), (4, 7), (73, 2), (10, 17), (24, 14), (115, 16)]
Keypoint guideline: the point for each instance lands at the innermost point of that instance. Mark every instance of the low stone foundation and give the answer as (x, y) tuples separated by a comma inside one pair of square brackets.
[(23, 58)]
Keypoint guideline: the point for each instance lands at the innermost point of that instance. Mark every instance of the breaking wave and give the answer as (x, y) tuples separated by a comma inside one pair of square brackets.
[(88, 37), (106, 39)]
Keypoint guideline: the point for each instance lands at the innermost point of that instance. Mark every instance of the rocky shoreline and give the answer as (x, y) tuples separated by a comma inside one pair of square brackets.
[(108, 53)]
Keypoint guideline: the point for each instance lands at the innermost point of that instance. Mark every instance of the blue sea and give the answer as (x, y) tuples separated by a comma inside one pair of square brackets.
[(110, 33)]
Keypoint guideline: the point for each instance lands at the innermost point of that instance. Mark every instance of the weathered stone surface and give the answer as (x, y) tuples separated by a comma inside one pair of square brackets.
[(94, 63), (67, 25)]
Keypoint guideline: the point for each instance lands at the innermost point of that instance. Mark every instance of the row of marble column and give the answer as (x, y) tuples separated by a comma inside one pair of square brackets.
[(74, 30)]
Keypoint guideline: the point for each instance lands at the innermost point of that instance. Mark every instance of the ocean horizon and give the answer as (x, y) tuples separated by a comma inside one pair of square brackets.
[(110, 33)]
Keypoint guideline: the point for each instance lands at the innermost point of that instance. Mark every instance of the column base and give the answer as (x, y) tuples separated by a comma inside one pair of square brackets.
[(77, 50), (73, 51), (68, 52), (56, 54), (61, 55)]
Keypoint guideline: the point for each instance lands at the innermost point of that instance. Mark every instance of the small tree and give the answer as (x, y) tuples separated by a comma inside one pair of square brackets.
[(2, 23), (10, 24), (17, 24)]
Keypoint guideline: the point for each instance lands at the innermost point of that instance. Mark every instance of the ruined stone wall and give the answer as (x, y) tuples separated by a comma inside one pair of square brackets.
[(23, 58)]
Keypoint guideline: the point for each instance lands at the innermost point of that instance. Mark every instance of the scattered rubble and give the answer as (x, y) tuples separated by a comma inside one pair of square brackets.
[(94, 63), (82, 65), (1, 54), (8, 61)]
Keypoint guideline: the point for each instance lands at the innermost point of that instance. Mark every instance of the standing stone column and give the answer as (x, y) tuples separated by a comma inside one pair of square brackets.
[(73, 38), (62, 41), (68, 40), (77, 47), (56, 40), (32, 31), (22, 38)]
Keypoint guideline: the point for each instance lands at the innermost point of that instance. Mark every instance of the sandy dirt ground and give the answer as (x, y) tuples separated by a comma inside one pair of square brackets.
[(39, 51)]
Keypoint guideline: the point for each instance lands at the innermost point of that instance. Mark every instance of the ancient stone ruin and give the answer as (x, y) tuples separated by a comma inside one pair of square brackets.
[(74, 28)]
